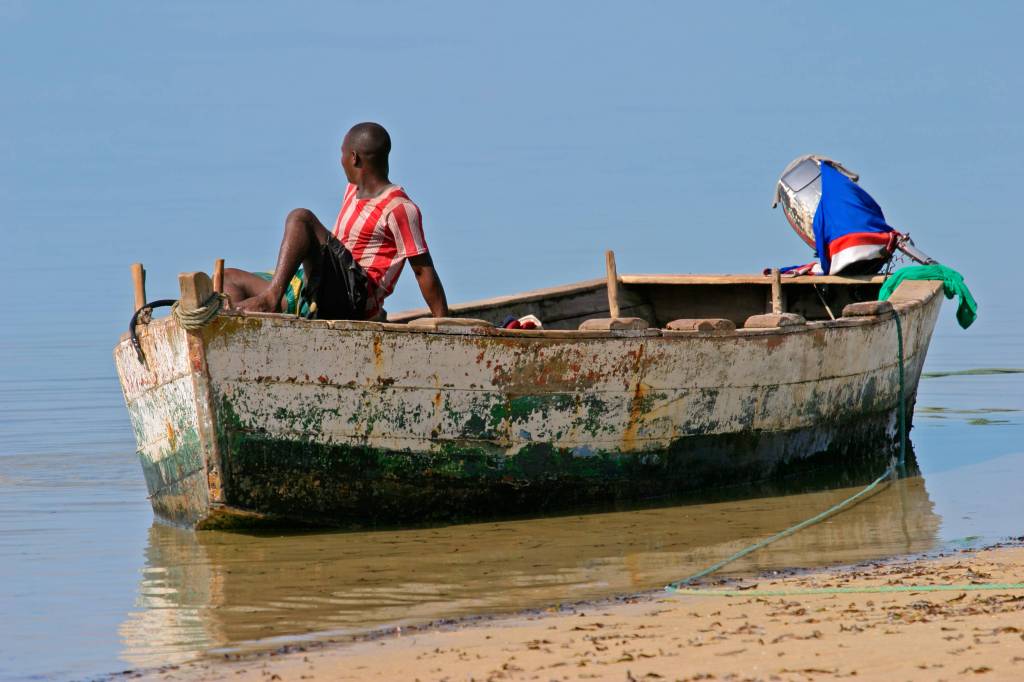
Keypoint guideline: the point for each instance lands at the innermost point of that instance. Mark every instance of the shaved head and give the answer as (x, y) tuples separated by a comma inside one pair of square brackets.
[(365, 151), (369, 140)]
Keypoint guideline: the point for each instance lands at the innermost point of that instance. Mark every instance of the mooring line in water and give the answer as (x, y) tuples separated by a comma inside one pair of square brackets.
[(890, 472), (979, 371), (866, 589), (903, 396), (834, 509)]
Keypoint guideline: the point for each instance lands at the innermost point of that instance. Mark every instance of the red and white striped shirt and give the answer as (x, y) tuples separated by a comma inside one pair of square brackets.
[(380, 232)]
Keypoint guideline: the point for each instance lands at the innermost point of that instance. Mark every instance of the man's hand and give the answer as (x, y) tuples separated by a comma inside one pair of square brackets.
[(430, 284)]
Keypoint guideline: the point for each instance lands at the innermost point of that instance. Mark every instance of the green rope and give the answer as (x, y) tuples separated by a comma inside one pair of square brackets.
[(903, 397), (890, 472), (866, 589), (675, 586)]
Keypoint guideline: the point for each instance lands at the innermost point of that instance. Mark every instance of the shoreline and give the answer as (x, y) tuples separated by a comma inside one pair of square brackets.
[(662, 635)]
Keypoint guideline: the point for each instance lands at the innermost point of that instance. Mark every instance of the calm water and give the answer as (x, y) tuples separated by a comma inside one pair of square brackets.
[(91, 585)]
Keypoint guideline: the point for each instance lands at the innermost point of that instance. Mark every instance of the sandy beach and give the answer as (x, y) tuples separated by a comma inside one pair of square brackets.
[(756, 634)]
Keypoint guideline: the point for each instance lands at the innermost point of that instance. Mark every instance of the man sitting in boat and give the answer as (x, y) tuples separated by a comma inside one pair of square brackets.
[(346, 273)]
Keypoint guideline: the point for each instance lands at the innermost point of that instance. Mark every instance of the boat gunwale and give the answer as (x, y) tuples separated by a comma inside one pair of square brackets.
[(901, 305), (551, 334), (667, 279)]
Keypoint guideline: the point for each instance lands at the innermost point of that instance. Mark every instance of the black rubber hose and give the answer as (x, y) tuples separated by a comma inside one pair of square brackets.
[(162, 303)]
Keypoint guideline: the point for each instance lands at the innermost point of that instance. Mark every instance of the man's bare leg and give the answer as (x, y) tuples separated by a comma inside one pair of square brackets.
[(304, 235), (240, 284)]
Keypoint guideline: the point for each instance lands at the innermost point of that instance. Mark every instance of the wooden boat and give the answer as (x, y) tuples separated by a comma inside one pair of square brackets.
[(692, 384)]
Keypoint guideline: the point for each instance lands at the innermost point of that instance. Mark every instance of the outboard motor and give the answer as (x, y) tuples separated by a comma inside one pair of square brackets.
[(799, 191), (855, 236)]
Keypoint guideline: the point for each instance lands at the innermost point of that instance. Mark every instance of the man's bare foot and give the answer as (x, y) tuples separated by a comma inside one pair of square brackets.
[(264, 303)]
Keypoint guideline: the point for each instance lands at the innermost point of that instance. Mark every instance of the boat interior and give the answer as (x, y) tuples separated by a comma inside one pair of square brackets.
[(659, 300)]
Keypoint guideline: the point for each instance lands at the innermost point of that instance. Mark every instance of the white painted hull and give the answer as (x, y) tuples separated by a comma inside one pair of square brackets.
[(319, 420)]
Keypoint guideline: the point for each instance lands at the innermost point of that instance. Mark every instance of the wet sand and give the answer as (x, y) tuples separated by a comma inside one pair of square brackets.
[(913, 635)]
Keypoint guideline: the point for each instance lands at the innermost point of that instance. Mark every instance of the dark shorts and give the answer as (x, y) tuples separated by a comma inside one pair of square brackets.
[(341, 289)]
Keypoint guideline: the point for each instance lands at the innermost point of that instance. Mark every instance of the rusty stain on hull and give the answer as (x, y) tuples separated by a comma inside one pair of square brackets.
[(372, 410)]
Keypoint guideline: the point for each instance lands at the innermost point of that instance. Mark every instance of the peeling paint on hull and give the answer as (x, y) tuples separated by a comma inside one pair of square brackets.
[(359, 422)]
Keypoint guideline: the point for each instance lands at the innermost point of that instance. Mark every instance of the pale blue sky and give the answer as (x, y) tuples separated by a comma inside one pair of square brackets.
[(533, 135)]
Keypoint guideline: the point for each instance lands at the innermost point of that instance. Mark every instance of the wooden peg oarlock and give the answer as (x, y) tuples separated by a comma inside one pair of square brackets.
[(777, 304), (613, 284), (139, 283), (218, 275)]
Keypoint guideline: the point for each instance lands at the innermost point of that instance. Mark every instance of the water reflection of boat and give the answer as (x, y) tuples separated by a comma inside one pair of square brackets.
[(215, 589), (256, 416)]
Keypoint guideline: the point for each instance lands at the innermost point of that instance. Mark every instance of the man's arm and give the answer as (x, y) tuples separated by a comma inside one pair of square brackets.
[(430, 284)]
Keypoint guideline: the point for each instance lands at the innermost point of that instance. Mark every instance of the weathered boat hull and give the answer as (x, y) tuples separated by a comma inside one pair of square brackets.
[(263, 416)]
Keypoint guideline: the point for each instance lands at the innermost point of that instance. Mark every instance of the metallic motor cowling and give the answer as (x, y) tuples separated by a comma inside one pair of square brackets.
[(799, 191)]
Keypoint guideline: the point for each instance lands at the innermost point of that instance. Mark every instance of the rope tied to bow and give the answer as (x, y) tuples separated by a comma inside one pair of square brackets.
[(198, 318)]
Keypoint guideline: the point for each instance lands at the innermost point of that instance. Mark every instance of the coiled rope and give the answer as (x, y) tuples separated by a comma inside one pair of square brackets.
[(199, 317), (895, 466)]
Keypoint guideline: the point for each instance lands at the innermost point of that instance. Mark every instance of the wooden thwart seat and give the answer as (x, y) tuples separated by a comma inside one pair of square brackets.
[(435, 323), (707, 324), (772, 320), (867, 309), (603, 324)]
